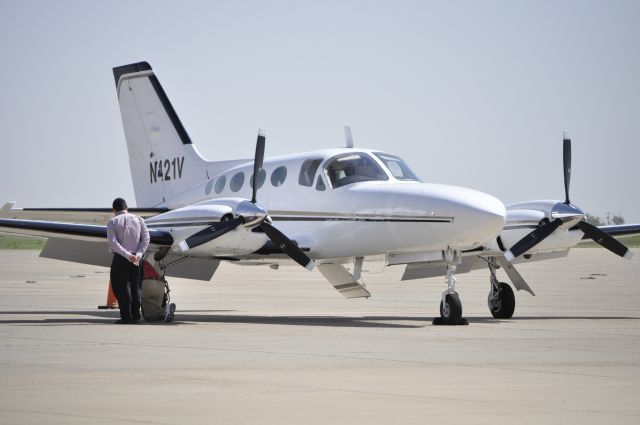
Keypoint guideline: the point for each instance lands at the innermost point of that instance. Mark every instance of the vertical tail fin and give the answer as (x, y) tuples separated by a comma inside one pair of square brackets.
[(164, 163)]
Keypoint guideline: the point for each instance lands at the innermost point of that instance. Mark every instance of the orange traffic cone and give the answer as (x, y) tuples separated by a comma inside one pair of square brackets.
[(112, 302)]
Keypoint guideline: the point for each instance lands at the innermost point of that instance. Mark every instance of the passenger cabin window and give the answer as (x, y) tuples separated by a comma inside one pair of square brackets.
[(262, 176), (353, 168), (220, 184), (308, 171), (208, 187), (278, 176), (236, 181), (398, 168)]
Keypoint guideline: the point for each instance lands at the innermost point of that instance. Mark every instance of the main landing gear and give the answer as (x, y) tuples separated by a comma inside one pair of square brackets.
[(501, 300), (450, 306)]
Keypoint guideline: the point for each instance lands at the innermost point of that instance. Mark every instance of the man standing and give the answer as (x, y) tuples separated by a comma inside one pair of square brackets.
[(128, 239)]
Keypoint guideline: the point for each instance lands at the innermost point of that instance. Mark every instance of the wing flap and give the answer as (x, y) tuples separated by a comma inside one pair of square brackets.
[(343, 281), (92, 252), (95, 252)]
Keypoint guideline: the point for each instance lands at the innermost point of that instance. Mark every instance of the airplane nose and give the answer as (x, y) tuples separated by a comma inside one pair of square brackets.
[(480, 215), (477, 217), (456, 216)]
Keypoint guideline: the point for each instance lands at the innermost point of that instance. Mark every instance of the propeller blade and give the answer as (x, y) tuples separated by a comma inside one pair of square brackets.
[(210, 233), (287, 246), (532, 239), (605, 240), (566, 162), (257, 164)]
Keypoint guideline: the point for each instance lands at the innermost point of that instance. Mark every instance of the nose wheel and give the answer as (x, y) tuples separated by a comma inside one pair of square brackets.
[(450, 306), (451, 309)]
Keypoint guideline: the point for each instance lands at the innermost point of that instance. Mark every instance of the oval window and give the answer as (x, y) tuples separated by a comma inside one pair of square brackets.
[(236, 182), (220, 184), (278, 176), (262, 176), (208, 187)]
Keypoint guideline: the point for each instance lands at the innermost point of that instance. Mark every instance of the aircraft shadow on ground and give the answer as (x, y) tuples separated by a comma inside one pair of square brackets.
[(187, 317), (331, 321)]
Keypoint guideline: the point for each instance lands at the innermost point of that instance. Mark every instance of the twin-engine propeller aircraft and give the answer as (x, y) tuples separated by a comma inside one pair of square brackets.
[(332, 209)]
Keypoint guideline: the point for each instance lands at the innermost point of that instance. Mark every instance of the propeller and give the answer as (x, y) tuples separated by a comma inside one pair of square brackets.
[(276, 236), (567, 212), (251, 214)]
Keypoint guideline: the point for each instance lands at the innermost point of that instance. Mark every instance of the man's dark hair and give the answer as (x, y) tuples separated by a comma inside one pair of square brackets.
[(119, 204)]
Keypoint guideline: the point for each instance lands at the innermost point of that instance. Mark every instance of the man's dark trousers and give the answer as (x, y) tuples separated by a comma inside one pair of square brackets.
[(125, 282)]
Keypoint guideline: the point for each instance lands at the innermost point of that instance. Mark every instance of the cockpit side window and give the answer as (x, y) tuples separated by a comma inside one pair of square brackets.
[(398, 168), (352, 168), (308, 171)]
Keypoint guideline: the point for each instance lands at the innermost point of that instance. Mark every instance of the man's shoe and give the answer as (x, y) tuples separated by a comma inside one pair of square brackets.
[(169, 317), (123, 322)]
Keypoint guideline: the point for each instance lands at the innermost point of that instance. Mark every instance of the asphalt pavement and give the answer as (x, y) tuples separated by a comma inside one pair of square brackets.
[(263, 346)]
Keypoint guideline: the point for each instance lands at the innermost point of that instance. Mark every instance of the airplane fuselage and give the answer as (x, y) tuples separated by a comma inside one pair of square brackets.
[(380, 214)]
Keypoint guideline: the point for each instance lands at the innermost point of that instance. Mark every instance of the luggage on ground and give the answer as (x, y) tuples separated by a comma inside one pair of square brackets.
[(155, 298)]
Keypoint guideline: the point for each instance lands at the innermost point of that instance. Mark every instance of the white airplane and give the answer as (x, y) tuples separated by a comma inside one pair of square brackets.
[(333, 209)]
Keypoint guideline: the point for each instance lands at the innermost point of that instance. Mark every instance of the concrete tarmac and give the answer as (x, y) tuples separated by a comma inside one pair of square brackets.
[(260, 346)]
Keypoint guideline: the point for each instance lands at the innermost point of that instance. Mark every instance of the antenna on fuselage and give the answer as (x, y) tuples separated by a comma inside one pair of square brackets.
[(348, 137)]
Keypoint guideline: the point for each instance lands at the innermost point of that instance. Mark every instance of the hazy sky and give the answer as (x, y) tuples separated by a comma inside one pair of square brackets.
[(472, 93)]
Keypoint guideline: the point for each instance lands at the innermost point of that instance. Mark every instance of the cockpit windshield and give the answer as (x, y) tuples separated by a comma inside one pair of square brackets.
[(398, 168), (352, 168)]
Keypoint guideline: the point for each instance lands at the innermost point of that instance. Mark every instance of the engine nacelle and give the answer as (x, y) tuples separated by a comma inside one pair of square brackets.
[(523, 217), (187, 221)]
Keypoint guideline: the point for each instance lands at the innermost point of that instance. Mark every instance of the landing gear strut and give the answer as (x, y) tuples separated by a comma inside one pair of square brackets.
[(450, 306), (501, 300)]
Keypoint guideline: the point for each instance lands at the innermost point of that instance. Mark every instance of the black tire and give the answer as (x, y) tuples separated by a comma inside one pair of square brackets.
[(453, 311), (505, 305)]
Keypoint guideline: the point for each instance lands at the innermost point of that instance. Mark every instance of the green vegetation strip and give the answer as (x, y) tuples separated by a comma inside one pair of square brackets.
[(20, 242)]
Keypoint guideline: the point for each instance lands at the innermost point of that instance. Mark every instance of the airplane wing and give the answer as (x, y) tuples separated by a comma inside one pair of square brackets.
[(75, 215), (74, 231), (87, 244), (619, 230), (473, 260)]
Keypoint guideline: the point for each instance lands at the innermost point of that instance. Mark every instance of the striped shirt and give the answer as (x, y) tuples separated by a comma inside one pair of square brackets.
[(127, 235)]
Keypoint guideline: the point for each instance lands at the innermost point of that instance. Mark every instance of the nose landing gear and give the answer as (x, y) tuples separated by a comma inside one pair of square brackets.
[(450, 306)]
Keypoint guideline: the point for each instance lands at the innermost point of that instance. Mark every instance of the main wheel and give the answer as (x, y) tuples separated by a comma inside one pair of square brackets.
[(451, 310), (503, 306)]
